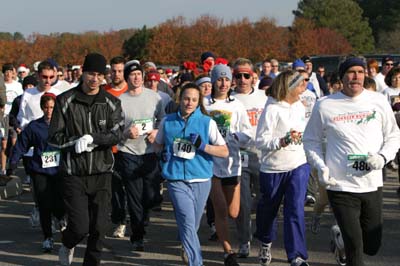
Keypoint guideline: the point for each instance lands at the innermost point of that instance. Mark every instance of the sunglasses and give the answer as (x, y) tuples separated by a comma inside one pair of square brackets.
[(240, 75), (389, 64), (307, 79), (47, 77)]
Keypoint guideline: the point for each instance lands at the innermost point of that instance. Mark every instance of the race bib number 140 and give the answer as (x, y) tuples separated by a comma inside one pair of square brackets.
[(184, 149)]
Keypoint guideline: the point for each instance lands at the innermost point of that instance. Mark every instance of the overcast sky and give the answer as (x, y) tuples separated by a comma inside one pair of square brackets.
[(47, 16)]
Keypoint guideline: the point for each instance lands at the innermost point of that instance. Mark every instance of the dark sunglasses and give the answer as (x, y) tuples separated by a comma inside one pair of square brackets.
[(389, 64), (47, 77), (307, 79), (240, 75)]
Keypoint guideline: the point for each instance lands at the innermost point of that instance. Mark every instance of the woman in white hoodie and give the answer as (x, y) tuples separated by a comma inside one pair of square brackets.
[(284, 170), (234, 125)]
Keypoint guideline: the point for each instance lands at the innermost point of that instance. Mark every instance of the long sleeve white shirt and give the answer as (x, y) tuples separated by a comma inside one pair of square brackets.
[(354, 127), (231, 118), (278, 119), (29, 108)]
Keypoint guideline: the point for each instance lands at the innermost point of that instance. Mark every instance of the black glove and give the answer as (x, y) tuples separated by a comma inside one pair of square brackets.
[(196, 140)]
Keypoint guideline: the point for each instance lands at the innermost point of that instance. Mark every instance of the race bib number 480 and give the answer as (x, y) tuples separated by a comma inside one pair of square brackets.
[(357, 165), (184, 149), (50, 159)]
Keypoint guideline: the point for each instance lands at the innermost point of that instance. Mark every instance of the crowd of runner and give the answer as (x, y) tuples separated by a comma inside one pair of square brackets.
[(100, 141)]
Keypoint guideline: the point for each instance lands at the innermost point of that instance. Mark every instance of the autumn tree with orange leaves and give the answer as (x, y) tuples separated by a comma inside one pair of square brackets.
[(306, 38), (178, 39)]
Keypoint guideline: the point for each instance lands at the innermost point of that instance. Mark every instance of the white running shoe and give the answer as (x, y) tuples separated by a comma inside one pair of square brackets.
[(337, 245), (119, 231), (265, 255), (62, 224), (48, 244), (299, 262), (35, 217), (65, 255), (244, 250)]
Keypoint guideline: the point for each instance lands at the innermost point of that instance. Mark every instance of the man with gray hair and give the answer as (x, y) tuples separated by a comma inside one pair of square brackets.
[(254, 101), (361, 135)]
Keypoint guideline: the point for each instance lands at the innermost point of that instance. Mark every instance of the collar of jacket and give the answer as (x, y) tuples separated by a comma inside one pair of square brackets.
[(82, 97), (196, 113)]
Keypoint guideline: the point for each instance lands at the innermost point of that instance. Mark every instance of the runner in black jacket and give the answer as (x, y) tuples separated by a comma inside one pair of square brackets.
[(87, 122)]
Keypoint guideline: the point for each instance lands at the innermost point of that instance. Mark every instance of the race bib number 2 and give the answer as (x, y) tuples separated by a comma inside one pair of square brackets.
[(144, 125), (357, 165), (184, 149), (50, 159)]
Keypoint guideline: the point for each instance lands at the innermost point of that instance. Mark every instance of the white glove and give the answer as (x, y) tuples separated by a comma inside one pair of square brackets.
[(81, 145), (376, 161), (324, 178)]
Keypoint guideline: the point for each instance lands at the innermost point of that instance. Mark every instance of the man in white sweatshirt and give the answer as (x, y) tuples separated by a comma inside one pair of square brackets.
[(362, 135)]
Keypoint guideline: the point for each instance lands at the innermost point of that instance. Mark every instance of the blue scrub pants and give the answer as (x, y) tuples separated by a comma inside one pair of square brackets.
[(291, 187), (189, 200)]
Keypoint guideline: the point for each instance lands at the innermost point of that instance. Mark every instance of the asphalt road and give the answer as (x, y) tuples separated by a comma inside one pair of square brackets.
[(20, 244)]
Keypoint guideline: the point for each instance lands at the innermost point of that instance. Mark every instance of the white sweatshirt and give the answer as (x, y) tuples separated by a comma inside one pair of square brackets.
[(231, 118), (354, 127), (29, 108), (254, 103), (392, 95), (277, 119)]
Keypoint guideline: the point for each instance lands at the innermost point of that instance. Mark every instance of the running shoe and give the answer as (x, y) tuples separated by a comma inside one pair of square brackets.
[(35, 217), (230, 260), (299, 262), (138, 245), (244, 250), (213, 236), (65, 255), (119, 231), (315, 224), (48, 245), (337, 245), (265, 255)]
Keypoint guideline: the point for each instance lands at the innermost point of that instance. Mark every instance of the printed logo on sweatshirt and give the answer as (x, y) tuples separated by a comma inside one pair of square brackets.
[(254, 115), (102, 122), (357, 118)]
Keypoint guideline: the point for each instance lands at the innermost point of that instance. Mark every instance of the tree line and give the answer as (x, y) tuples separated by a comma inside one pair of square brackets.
[(319, 27)]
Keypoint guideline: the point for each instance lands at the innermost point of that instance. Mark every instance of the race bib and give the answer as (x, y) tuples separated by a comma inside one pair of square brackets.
[(50, 159), (244, 156), (144, 125), (184, 149), (357, 165)]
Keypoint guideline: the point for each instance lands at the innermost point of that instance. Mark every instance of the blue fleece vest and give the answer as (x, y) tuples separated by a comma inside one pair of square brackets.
[(175, 168)]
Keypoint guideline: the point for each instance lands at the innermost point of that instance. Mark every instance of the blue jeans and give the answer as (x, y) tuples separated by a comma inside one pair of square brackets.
[(189, 200), (290, 186)]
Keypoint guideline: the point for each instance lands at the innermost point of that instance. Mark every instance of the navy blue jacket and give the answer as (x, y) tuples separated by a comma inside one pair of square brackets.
[(34, 135)]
